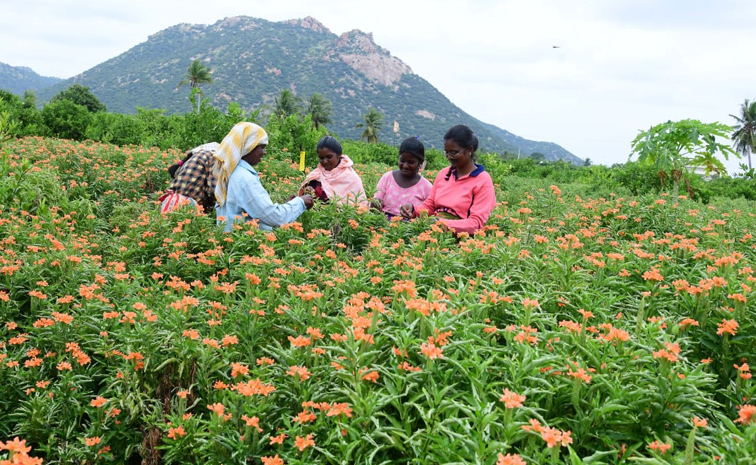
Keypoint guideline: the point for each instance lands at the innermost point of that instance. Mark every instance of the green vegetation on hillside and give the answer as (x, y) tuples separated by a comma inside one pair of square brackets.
[(253, 59), (19, 79)]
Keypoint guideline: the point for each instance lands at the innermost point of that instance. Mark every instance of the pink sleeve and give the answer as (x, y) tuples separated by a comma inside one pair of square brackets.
[(380, 189), (484, 201)]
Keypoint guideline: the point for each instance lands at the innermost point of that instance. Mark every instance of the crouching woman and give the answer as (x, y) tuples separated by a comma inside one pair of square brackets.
[(239, 194)]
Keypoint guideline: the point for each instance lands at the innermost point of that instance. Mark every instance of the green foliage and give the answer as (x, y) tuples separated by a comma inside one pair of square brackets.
[(7, 127), (672, 147), (293, 134), (537, 156), (30, 99), (134, 328), (65, 119), (287, 104), (82, 96), (371, 125), (197, 74), (744, 134), (319, 109), (114, 128), (363, 152), (25, 119), (19, 79)]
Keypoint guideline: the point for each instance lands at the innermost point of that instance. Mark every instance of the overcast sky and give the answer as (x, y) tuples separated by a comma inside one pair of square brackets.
[(621, 65)]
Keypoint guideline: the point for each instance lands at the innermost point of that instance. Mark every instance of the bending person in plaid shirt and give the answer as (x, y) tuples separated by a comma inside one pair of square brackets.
[(193, 181)]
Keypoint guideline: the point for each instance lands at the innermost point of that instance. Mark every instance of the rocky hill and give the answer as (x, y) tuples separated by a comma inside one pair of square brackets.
[(17, 79), (252, 59)]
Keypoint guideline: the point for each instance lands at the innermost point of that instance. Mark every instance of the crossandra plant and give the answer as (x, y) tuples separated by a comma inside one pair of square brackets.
[(572, 329)]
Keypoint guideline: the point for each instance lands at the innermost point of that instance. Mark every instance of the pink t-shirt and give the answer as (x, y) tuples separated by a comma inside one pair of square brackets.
[(394, 196), (471, 198)]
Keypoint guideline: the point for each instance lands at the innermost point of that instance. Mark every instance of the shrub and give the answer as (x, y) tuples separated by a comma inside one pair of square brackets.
[(65, 119)]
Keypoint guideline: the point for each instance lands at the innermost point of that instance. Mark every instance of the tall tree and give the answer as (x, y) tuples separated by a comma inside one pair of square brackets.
[(744, 137), (673, 147), (372, 123), (80, 95), (319, 108), (197, 74), (286, 104), (30, 99)]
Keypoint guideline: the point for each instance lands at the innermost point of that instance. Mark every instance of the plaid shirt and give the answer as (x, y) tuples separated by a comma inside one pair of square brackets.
[(195, 179)]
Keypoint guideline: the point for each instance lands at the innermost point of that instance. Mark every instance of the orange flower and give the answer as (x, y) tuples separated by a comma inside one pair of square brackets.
[(305, 416), (175, 433), (303, 443), (299, 371), (278, 439), (253, 422), (253, 387), (300, 341), (64, 366), (511, 399), (586, 314), (218, 408), (98, 401), (700, 422), (659, 447), (653, 275), (431, 351), (338, 409), (727, 326), (272, 460), (406, 366), (93, 441), (191, 334), (18, 446), (238, 369), (371, 376), (229, 340), (510, 459), (746, 414), (580, 374), (688, 322), (554, 437)]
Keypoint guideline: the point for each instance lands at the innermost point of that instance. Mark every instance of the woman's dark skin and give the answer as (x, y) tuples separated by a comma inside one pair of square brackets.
[(328, 159), (408, 173), (459, 158), (406, 176)]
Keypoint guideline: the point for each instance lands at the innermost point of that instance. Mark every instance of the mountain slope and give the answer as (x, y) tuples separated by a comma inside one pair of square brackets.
[(17, 79), (252, 59)]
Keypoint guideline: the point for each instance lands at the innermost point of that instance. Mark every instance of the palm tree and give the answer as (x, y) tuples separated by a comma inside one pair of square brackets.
[(196, 75), (286, 104), (744, 137), (373, 122), (319, 109)]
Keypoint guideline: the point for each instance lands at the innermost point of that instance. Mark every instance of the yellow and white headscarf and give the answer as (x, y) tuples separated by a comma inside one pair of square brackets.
[(242, 139)]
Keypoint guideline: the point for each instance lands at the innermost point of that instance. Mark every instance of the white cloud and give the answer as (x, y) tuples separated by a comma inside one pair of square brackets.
[(621, 66)]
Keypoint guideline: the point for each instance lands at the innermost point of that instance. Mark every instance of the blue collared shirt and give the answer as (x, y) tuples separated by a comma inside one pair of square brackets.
[(246, 194)]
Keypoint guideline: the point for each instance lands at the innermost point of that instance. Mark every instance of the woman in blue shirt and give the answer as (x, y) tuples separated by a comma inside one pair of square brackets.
[(239, 193)]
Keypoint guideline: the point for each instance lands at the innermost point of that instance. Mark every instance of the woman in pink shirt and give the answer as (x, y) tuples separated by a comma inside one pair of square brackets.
[(405, 185), (462, 196)]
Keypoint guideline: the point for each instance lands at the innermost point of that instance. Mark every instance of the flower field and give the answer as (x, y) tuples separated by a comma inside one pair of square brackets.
[(574, 329)]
